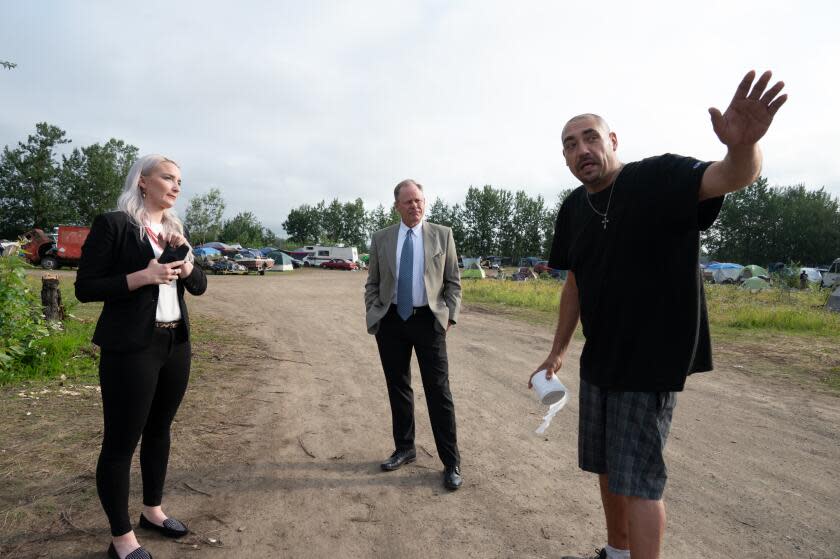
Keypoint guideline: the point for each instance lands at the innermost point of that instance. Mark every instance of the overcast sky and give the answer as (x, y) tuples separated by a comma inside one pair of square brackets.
[(284, 103)]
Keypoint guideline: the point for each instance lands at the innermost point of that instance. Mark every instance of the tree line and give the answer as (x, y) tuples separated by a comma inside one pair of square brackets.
[(490, 221), (39, 188), (761, 225)]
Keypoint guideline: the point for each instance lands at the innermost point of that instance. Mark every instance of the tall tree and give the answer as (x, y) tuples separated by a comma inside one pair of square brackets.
[(355, 224), (332, 219), (550, 219), (303, 224), (380, 218), (244, 228), (760, 225), (92, 178), (29, 185), (204, 216), (485, 212)]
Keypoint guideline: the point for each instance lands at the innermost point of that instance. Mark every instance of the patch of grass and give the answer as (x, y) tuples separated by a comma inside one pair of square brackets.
[(536, 295), (792, 312), (68, 349)]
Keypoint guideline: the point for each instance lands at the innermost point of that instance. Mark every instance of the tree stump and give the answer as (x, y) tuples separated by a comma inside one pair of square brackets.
[(51, 298)]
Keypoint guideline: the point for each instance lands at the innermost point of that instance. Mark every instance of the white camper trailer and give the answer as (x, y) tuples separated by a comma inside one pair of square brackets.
[(319, 253)]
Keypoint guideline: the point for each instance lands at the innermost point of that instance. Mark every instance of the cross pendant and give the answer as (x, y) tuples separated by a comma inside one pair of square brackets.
[(605, 221)]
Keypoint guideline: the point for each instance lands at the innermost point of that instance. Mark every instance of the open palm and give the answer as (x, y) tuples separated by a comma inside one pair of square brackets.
[(750, 113)]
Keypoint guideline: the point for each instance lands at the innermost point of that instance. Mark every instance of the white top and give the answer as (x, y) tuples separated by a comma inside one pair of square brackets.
[(418, 289), (168, 309)]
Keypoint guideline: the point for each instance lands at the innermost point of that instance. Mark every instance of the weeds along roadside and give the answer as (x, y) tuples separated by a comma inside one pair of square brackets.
[(32, 348), (781, 333), (790, 312)]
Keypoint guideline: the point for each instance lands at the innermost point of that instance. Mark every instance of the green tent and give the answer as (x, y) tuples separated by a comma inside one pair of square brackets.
[(755, 284), (753, 271)]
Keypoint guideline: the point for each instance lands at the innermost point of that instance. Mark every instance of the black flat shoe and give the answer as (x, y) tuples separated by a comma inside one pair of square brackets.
[(171, 528), (138, 553), (398, 459), (452, 477)]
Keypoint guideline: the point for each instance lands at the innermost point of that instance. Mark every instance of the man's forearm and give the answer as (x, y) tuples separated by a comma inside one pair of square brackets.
[(738, 169), (567, 318)]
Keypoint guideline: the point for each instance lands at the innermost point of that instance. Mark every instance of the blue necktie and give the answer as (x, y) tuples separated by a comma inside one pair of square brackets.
[(405, 302)]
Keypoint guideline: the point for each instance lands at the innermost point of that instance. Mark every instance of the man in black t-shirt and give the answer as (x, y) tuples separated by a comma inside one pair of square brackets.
[(645, 333)]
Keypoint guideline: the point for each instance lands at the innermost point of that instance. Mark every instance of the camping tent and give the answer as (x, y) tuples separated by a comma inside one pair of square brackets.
[(282, 262), (753, 271), (725, 272), (833, 303), (472, 269), (755, 284)]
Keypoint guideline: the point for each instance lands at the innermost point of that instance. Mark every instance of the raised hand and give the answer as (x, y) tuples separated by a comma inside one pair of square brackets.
[(750, 113)]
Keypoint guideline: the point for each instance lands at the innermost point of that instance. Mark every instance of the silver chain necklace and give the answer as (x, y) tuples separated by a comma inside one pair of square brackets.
[(604, 217)]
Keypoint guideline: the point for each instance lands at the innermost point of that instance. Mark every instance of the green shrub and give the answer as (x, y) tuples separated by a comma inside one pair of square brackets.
[(21, 323)]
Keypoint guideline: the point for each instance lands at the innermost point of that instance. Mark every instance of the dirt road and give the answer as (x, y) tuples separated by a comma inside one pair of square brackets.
[(753, 464)]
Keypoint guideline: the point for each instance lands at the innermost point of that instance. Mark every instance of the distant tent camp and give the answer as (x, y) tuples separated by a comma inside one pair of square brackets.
[(755, 284), (833, 303), (472, 268), (282, 262), (753, 271), (725, 272)]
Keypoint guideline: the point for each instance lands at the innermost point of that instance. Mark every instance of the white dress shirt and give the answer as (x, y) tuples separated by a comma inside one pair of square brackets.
[(168, 309), (418, 287)]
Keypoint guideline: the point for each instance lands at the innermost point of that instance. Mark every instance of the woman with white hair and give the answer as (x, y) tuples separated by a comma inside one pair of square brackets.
[(143, 333)]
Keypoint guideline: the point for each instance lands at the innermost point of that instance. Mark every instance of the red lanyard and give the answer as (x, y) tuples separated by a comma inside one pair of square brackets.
[(153, 237)]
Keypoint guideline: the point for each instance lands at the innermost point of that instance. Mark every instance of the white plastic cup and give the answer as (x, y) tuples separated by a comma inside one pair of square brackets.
[(549, 390)]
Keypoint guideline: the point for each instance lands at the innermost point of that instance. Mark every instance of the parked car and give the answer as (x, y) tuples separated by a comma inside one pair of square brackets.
[(254, 264), (339, 264), (542, 266), (226, 266)]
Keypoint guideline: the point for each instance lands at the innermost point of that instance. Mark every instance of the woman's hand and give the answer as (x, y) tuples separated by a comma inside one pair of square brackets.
[(159, 274)]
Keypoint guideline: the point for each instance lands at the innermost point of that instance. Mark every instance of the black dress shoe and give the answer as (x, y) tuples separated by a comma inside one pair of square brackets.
[(171, 528), (138, 553), (452, 477), (398, 458)]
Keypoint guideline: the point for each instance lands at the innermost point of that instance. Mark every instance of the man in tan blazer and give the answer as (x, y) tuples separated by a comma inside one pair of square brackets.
[(412, 297)]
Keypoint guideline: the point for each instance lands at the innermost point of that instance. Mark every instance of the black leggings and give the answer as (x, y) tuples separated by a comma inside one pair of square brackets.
[(141, 392)]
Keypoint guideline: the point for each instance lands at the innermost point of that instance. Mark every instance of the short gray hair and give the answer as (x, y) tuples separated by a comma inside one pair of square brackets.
[(406, 182)]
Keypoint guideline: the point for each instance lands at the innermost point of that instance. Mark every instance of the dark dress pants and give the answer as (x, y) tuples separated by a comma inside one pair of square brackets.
[(395, 339), (141, 393)]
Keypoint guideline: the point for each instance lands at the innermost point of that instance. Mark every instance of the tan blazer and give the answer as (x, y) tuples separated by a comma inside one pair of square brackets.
[(441, 276)]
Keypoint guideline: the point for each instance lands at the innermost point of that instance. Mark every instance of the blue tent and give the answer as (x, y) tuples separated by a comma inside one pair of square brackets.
[(724, 272)]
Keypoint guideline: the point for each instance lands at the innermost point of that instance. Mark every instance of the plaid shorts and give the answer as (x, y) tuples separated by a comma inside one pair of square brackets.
[(623, 434)]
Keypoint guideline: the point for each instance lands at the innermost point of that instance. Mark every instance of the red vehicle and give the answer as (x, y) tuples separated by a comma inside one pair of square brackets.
[(40, 248), (542, 266), (339, 264)]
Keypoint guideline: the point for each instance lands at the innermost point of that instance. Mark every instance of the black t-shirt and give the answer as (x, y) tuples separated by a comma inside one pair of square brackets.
[(642, 304)]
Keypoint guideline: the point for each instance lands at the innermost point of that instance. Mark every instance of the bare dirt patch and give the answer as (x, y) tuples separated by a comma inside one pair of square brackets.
[(277, 447)]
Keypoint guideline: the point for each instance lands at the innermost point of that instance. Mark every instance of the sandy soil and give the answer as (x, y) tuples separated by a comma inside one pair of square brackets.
[(280, 458)]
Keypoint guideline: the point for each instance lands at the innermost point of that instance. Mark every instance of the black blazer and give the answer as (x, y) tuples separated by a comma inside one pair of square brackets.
[(113, 250)]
